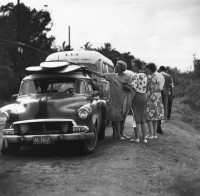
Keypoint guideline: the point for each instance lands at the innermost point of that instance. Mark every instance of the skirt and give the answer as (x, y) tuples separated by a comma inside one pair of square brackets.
[(139, 106)]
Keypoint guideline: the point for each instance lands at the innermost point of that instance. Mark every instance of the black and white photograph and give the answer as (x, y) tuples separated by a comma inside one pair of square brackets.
[(99, 97)]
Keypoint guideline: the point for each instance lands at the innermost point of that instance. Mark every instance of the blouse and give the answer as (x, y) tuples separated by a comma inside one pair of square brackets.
[(139, 82)]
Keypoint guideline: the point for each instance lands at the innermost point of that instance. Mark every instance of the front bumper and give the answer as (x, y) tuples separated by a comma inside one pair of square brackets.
[(79, 132), (54, 137)]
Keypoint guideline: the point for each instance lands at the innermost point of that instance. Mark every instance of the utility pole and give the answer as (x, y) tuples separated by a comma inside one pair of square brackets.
[(18, 21), (69, 38), (19, 49)]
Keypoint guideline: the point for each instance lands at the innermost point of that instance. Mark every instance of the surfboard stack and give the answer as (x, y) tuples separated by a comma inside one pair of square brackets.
[(53, 67)]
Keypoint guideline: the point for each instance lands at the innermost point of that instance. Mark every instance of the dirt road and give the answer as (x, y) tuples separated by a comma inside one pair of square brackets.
[(165, 166)]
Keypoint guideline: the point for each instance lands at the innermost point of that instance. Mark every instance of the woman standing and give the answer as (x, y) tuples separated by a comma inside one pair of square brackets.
[(120, 94), (139, 83), (155, 110)]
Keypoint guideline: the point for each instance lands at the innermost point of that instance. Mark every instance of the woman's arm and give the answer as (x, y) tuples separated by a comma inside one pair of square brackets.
[(98, 73)]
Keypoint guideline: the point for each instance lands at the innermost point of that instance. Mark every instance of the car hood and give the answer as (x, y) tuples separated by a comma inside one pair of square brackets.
[(45, 106)]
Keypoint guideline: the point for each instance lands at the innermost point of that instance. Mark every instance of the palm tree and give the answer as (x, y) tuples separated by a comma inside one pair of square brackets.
[(65, 47), (87, 46), (107, 48), (109, 52)]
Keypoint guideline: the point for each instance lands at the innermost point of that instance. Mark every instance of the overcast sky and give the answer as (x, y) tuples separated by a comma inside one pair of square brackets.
[(166, 32)]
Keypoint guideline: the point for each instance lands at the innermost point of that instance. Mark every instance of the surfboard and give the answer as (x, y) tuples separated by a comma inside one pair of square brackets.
[(69, 68), (53, 64), (34, 69)]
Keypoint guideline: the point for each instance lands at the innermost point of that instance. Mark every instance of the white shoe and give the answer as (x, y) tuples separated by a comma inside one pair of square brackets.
[(149, 136), (155, 137), (127, 137), (135, 140), (145, 141)]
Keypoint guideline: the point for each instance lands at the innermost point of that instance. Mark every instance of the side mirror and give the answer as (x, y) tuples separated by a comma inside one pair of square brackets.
[(14, 97)]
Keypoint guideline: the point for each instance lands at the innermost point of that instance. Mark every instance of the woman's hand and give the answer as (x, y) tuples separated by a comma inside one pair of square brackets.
[(87, 70), (126, 87)]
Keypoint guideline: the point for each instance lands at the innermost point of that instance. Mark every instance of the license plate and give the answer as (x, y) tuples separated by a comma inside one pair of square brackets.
[(41, 140)]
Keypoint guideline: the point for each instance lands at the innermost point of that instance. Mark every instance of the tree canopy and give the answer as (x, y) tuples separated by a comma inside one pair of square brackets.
[(24, 41), (30, 34)]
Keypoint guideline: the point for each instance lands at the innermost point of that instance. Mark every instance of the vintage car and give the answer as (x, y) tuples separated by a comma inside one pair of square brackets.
[(56, 103)]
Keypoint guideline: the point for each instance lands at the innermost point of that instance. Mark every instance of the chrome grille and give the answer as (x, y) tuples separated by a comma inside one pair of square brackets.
[(39, 128)]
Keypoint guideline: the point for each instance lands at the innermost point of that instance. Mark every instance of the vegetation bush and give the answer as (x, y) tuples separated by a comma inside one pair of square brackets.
[(187, 98)]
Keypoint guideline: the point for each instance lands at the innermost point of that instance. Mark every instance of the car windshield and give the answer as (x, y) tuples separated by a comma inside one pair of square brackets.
[(54, 85)]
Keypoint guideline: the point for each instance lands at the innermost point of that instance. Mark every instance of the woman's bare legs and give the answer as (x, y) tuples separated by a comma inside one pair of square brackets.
[(155, 126), (117, 126), (151, 129), (136, 130), (144, 130), (114, 130), (122, 128)]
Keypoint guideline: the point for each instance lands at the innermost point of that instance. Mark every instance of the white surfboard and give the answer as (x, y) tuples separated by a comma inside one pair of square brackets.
[(53, 64), (69, 68), (34, 69)]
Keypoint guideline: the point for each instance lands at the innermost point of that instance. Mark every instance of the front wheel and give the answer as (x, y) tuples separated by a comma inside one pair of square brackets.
[(88, 146), (11, 149)]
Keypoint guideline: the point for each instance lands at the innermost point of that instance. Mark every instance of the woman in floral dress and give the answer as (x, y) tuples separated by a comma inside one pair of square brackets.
[(155, 109)]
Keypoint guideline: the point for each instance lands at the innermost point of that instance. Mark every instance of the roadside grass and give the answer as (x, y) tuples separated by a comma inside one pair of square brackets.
[(181, 180), (188, 114)]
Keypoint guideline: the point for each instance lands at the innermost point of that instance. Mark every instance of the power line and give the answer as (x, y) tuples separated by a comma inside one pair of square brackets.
[(22, 44)]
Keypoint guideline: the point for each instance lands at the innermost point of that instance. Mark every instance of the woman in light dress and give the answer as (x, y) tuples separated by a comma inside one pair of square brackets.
[(120, 95)]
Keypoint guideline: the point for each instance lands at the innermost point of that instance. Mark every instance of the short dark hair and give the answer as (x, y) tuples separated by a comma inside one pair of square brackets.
[(162, 68), (151, 66), (138, 63)]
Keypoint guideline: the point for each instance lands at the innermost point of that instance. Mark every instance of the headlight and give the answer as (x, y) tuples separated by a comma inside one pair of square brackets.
[(3, 117), (84, 112)]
